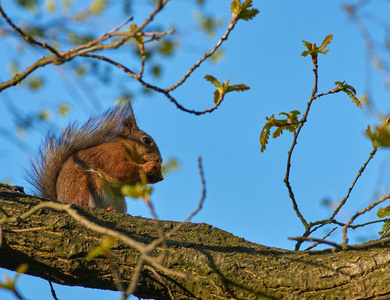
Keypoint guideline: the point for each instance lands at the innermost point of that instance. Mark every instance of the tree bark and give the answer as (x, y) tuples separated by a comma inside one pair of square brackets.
[(222, 265)]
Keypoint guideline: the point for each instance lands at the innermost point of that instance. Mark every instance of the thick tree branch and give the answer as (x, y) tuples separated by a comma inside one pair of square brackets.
[(221, 265)]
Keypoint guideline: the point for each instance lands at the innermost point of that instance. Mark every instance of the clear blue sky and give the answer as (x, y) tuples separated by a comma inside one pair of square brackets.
[(245, 191)]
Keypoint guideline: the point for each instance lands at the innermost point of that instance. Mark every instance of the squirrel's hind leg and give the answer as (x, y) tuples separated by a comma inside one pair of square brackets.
[(81, 190)]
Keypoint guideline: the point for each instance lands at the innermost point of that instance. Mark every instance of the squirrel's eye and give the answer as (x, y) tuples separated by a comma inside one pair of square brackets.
[(147, 140)]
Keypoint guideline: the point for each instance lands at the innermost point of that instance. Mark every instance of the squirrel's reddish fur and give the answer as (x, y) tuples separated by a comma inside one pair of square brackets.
[(87, 166)]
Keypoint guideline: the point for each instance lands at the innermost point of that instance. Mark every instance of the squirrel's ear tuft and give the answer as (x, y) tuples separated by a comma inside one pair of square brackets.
[(129, 122)]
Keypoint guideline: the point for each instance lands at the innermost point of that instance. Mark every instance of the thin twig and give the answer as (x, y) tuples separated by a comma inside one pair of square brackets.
[(91, 46), (232, 23), (321, 223), (134, 280), (320, 241), (26, 37), (97, 45), (368, 208), (150, 86), (316, 244), (118, 65), (151, 207), (94, 45), (179, 106), (368, 245), (353, 184), (290, 152), (115, 274), (143, 58), (200, 205), (112, 31), (162, 239), (53, 292), (159, 277), (363, 246), (203, 190)]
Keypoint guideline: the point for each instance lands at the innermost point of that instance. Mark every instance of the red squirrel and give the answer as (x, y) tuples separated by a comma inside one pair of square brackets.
[(88, 165)]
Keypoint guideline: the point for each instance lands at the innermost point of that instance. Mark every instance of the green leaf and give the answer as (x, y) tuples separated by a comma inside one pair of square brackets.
[(290, 128), (50, 6), (284, 114), (63, 109), (22, 269), (383, 212), (290, 123), (350, 90), (156, 71), (224, 87), (214, 81), (10, 284), (325, 43), (313, 50), (294, 114), (237, 87), (104, 248), (208, 24), (14, 67), (307, 45), (138, 191), (30, 5), (277, 132), (170, 166), (243, 11), (167, 47), (217, 96), (354, 99), (371, 135), (385, 229), (44, 115), (218, 56), (264, 137), (380, 135), (386, 122), (34, 82), (98, 6), (80, 71)]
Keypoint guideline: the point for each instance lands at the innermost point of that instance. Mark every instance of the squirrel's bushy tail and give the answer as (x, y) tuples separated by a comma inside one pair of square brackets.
[(44, 170)]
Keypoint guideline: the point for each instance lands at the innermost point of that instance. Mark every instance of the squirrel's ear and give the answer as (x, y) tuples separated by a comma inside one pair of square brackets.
[(129, 124)]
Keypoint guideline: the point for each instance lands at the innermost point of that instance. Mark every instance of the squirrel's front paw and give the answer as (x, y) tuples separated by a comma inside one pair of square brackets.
[(152, 170)]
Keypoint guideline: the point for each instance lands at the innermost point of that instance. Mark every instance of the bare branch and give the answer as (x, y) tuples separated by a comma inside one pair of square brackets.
[(203, 191), (24, 36), (134, 280), (53, 292), (290, 152), (316, 244), (319, 241), (110, 61), (368, 208), (232, 23), (353, 184)]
